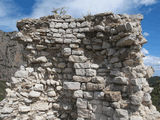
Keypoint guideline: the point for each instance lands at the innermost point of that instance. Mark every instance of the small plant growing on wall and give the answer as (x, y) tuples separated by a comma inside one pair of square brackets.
[(59, 11)]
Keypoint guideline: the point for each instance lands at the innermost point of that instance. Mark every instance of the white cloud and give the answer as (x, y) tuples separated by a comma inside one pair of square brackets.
[(147, 2), (145, 51), (146, 34), (79, 8), (153, 61)]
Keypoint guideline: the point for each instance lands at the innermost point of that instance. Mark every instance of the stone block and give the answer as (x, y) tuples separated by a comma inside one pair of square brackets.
[(80, 72), (90, 72), (81, 79), (113, 96), (71, 85), (81, 103), (78, 59)]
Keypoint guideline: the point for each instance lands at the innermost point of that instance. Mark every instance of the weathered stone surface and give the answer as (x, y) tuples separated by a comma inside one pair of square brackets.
[(79, 69), (41, 106), (81, 103), (34, 94), (112, 96), (81, 79), (71, 85), (11, 57), (120, 80), (74, 58), (126, 41), (24, 109)]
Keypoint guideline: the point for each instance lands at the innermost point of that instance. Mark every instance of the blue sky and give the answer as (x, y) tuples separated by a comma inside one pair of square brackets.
[(14, 10)]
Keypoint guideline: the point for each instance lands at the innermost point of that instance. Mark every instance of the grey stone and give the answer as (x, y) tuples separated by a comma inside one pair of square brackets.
[(88, 95), (120, 80), (71, 85), (81, 65), (90, 72), (126, 41), (38, 87), (108, 111), (74, 58), (67, 51), (24, 108), (41, 59), (34, 94), (7, 110), (80, 72), (78, 94), (81, 79), (40, 105), (81, 103)]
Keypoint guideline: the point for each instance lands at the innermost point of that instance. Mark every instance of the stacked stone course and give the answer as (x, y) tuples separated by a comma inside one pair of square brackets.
[(81, 69)]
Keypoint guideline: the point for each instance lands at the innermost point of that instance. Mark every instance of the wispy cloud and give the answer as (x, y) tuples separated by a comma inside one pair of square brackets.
[(79, 8), (146, 34), (152, 61)]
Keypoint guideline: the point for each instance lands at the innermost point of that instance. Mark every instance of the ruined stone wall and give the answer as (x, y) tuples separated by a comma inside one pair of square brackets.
[(10, 56), (81, 69)]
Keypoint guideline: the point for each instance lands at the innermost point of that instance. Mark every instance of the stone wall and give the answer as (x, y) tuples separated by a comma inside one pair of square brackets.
[(10, 56), (81, 69)]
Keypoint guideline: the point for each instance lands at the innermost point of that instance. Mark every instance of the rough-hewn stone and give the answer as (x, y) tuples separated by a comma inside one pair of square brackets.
[(80, 69)]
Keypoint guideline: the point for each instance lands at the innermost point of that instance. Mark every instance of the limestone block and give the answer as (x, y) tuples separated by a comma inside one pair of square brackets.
[(80, 35), (120, 80), (78, 94), (7, 110), (58, 25), (78, 59), (92, 86), (81, 65), (65, 25), (23, 108), (98, 79), (81, 103), (80, 72), (90, 72), (42, 59), (136, 100), (84, 113), (34, 94), (67, 51), (99, 28), (38, 87), (61, 65), (126, 41), (40, 105), (21, 74), (98, 95), (52, 93), (81, 79), (88, 95), (77, 52), (121, 114), (112, 95), (71, 85), (109, 111)]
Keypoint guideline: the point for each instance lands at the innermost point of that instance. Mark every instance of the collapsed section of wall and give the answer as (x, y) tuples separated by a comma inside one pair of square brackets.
[(81, 69)]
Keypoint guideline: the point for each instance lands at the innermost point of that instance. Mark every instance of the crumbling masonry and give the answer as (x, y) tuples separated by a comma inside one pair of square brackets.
[(80, 69)]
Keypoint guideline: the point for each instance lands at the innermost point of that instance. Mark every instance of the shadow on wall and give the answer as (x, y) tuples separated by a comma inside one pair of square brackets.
[(10, 59)]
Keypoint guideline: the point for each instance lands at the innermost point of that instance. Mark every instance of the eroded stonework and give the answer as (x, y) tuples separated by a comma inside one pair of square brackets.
[(81, 69), (10, 56)]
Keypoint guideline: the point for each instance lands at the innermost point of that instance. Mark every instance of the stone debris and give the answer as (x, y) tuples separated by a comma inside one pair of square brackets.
[(80, 69)]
